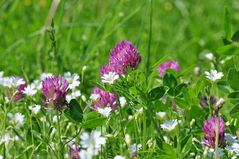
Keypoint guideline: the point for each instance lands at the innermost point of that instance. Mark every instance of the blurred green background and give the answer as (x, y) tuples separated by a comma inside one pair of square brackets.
[(86, 30)]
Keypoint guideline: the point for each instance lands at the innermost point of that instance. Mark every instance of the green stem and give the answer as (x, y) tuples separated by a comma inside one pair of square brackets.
[(217, 137), (60, 152)]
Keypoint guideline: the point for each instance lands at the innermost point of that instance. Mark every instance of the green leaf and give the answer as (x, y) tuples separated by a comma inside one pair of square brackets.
[(231, 49), (235, 110), (169, 80), (74, 113), (227, 24), (235, 36), (233, 77), (235, 61), (178, 89), (156, 93), (234, 95), (94, 122), (187, 147), (181, 103)]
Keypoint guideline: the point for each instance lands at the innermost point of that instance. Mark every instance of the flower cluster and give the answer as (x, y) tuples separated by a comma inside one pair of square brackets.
[(103, 99), (55, 89), (123, 56), (90, 146), (167, 65), (210, 128)]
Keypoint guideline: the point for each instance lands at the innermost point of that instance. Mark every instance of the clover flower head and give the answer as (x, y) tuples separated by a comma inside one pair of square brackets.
[(167, 65), (55, 90)]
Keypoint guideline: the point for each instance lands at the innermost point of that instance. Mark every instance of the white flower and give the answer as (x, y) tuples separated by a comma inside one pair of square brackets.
[(35, 108), (233, 148), (110, 78), (211, 152), (86, 154), (135, 148), (73, 95), (230, 138), (119, 157), (161, 114), (73, 80), (140, 111), (30, 90), (6, 138), (1, 74), (11, 81), (169, 125), (105, 111), (54, 118), (130, 117), (127, 139), (45, 75), (214, 75), (19, 119), (122, 101), (37, 84), (94, 97), (209, 56), (1, 157), (92, 141), (84, 68)]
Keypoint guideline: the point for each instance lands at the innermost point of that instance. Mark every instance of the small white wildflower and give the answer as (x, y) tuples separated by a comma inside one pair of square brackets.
[(87, 154), (94, 141), (73, 80), (1, 157), (213, 75), (209, 56), (94, 97), (140, 111), (119, 157), (211, 152), (30, 90), (130, 117), (6, 138), (11, 81), (105, 111), (45, 75), (37, 84), (1, 74), (54, 118), (35, 108), (73, 95), (161, 114), (169, 125), (230, 138), (122, 101), (227, 123), (19, 119), (197, 71), (127, 139), (110, 78), (84, 68)]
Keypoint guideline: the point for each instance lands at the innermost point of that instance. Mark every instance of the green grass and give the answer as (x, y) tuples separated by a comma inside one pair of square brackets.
[(87, 30)]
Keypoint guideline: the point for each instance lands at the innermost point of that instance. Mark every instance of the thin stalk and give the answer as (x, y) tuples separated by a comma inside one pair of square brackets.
[(217, 137), (59, 136), (149, 42)]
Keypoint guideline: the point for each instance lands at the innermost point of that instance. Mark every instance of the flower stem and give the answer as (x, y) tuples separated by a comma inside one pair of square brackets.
[(217, 138), (60, 153)]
